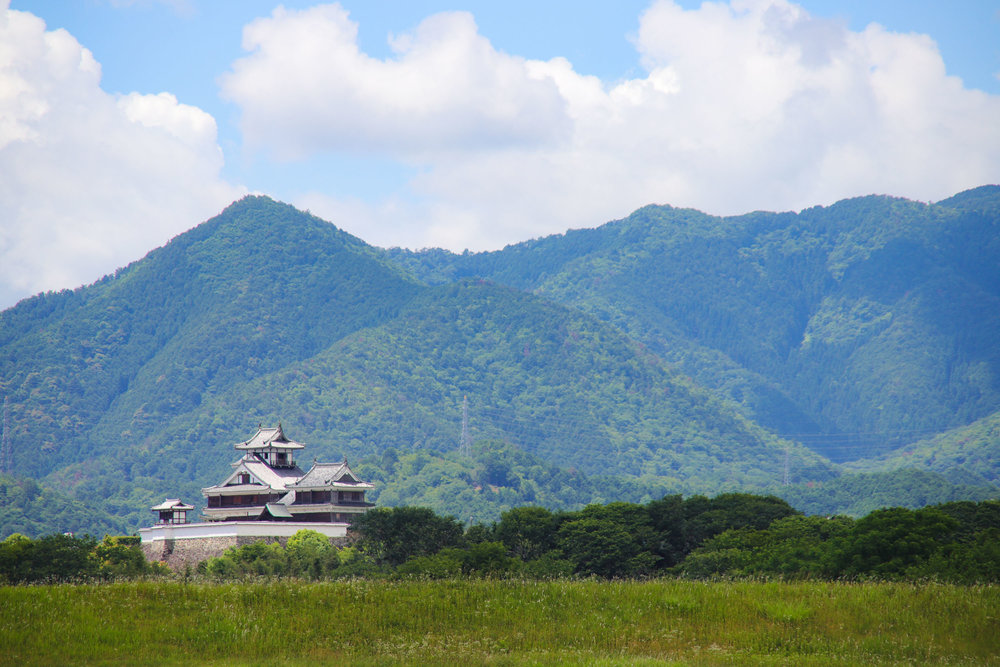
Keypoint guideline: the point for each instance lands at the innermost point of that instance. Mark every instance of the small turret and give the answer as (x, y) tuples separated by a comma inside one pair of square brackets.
[(270, 446), (173, 511)]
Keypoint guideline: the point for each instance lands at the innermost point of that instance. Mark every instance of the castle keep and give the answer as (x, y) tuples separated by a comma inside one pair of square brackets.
[(266, 497)]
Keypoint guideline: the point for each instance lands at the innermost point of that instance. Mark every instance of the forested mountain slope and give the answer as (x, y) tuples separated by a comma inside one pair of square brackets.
[(853, 328), (30, 509), (967, 454), (137, 386), (670, 351), (240, 296)]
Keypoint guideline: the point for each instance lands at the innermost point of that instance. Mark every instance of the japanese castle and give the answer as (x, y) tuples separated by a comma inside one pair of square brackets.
[(267, 496), (266, 484)]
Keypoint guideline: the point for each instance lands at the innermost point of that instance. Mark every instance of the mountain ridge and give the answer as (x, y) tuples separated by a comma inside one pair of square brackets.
[(671, 349), (812, 278)]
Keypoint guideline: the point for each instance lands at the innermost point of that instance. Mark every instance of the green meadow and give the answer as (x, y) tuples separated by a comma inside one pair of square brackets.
[(499, 622)]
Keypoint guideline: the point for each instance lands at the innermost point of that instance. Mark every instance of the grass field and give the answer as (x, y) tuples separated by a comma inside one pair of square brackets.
[(500, 623)]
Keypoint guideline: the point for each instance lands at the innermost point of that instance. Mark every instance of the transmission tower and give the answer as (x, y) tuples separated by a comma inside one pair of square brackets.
[(6, 464), (786, 465), (466, 445)]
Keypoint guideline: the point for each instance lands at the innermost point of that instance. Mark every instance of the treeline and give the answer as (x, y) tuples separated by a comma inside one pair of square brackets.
[(63, 557), (731, 535)]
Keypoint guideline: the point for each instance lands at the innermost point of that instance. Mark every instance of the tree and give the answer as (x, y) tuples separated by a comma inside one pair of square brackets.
[(705, 518), (667, 518), (889, 542), (486, 558), (14, 558), (256, 558), (391, 535), (794, 546), (602, 547), (310, 554), (633, 519), (119, 556), (527, 532), (50, 558)]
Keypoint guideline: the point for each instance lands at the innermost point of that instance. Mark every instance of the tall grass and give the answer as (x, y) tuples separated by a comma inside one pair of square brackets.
[(499, 622)]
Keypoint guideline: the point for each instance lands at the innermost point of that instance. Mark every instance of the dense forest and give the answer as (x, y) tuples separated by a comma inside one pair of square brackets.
[(730, 535), (844, 358)]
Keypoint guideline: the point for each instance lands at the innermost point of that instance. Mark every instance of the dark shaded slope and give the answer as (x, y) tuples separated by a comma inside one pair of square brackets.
[(907, 340)]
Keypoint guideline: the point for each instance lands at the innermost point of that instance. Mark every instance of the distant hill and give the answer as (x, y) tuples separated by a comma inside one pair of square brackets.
[(967, 454), (667, 352), (854, 328), (30, 509)]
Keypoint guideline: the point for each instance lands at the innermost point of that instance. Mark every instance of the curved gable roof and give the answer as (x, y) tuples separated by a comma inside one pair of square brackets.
[(275, 479), (268, 438)]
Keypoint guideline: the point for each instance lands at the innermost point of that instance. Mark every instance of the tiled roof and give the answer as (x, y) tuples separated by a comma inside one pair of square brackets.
[(327, 474), (266, 438), (276, 479), (172, 504), (273, 478), (278, 510), (321, 474)]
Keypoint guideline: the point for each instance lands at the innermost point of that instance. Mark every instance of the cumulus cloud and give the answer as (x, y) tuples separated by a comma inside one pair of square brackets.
[(90, 181), (306, 86), (804, 111), (751, 104)]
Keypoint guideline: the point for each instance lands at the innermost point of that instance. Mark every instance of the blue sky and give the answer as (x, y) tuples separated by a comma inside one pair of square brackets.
[(471, 125)]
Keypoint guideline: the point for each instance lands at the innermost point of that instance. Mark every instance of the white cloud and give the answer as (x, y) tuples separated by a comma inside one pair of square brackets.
[(90, 181), (306, 87), (804, 111), (753, 104)]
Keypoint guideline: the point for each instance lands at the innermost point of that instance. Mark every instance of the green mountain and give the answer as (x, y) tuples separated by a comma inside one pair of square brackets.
[(248, 292), (667, 352), (136, 387), (859, 493), (854, 329)]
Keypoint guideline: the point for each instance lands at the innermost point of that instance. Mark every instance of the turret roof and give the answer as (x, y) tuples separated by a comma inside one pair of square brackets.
[(172, 504), (268, 438)]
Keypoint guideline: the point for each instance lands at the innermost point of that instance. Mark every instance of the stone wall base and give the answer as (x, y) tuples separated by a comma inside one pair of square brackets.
[(182, 553)]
